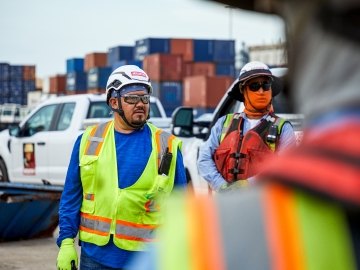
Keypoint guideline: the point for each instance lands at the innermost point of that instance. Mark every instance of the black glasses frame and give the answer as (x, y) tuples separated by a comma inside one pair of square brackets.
[(135, 99)]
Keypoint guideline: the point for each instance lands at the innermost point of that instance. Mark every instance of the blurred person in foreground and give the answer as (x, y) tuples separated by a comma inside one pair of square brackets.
[(120, 172), (305, 211), (240, 143)]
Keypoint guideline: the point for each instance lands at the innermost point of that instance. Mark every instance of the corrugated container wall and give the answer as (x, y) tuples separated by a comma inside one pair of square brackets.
[(183, 47), (200, 68), (126, 62), (163, 67), (76, 82), (97, 77), (29, 72), (203, 50), (224, 51), (170, 94), (57, 84), (205, 92), (95, 59), (74, 65), (148, 46), (119, 53), (16, 72), (4, 71), (226, 69)]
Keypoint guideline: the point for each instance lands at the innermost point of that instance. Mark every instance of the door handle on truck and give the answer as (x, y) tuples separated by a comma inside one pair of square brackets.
[(41, 143)]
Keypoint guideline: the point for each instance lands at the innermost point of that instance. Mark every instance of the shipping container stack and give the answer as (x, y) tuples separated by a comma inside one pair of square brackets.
[(178, 67), (76, 78), (15, 83)]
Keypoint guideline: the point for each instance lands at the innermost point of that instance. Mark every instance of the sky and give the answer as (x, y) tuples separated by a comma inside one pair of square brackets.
[(47, 32)]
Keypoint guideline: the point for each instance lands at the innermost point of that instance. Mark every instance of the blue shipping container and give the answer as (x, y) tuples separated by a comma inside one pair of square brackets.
[(119, 53), (16, 72), (4, 71), (226, 69), (224, 51), (28, 210), (203, 50), (76, 81), (148, 46), (74, 65), (170, 95), (97, 77), (29, 85)]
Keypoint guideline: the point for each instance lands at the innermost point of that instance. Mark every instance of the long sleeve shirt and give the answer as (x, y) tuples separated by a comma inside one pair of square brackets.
[(205, 162), (135, 148)]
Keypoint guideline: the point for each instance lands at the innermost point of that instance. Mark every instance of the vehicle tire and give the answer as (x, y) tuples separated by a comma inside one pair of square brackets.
[(3, 172)]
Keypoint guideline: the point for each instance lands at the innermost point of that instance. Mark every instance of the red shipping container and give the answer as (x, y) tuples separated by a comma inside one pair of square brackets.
[(204, 91), (29, 73), (57, 84), (95, 59), (200, 68), (96, 91), (164, 67), (183, 47)]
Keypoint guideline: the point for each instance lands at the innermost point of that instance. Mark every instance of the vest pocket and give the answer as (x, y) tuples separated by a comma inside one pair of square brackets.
[(87, 173), (220, 156)]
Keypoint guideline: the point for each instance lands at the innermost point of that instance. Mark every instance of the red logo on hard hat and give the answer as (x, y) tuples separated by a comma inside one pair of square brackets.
[(138, 73)]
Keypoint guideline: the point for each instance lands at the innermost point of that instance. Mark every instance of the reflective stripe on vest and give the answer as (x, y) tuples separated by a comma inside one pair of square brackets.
[(95, 224), (96, 139), (133, 231), (272, 227)]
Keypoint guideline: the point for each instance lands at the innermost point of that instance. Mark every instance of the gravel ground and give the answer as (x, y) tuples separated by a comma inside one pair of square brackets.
[(34, 254)]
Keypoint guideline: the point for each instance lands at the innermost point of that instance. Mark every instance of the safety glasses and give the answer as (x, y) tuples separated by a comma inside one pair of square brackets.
[(255, 86), (134, 99)]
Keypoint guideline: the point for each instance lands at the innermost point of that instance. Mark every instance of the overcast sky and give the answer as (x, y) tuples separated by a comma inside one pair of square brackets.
[(47, 32)]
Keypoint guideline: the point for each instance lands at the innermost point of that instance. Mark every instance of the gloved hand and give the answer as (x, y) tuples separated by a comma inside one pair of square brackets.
[(233, 186), (66, 255)]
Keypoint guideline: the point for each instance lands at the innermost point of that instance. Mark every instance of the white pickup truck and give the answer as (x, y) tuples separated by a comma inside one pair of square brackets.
[(39, 148), (194, 131)]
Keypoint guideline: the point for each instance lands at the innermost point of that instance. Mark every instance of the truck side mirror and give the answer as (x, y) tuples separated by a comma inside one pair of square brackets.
[(182, 122), (14, 130)]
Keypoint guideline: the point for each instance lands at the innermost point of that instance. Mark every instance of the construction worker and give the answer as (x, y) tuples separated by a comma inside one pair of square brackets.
[(119, 174), (239, 143), (304, 212)]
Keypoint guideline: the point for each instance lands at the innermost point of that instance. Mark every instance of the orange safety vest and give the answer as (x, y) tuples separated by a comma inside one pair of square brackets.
[(239, 157)]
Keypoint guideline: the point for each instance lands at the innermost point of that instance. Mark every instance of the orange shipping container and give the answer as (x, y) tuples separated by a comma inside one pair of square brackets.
[(164, 67), (204, 91), (29, 73), (57, 84), (200, 68), (95, 60), (183, 47)]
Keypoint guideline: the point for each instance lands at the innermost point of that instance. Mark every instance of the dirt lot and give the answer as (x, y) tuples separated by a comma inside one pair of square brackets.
[(35, 254)]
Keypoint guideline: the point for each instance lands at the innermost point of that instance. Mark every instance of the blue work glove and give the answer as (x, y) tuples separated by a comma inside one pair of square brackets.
[(67, 258)]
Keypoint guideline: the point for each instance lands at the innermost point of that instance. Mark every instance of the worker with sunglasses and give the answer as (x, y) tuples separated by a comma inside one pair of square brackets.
[(239, 143), (119, 175)]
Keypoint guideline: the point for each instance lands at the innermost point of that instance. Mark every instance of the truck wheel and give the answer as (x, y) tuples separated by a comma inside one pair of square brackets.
[(3, 172)]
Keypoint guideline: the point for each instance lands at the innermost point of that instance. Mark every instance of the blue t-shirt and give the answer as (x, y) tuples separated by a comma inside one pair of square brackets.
[(133, 151)]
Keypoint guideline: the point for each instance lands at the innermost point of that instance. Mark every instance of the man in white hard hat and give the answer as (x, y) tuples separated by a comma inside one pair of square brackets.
[(119, 174)]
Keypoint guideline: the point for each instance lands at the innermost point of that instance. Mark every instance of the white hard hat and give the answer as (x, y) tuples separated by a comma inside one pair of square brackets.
[(127, 75)]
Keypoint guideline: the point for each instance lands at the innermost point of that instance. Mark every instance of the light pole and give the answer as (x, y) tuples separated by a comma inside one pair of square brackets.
[(230, 20)]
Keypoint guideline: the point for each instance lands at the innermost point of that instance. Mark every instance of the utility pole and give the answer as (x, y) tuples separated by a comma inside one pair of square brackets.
[(230, 20)]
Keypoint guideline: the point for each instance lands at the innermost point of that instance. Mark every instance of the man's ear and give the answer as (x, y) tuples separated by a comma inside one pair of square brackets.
[(113, 103)]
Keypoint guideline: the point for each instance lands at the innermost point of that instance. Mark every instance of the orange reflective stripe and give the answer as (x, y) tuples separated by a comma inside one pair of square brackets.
[(82, 228), (98, 148), (205, 242), (103, 219), (158, 144), (136, 225), (89, 142), (133, 238), (282, 226), (172, 137)]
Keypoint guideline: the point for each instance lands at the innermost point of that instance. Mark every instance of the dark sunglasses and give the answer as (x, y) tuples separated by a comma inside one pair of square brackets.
[(135, 99), (255, 86)]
